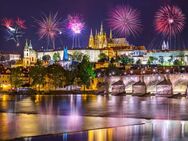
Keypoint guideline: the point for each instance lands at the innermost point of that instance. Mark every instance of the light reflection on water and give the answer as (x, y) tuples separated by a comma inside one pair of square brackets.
[(45, 111), (113, 106), (157, 130)]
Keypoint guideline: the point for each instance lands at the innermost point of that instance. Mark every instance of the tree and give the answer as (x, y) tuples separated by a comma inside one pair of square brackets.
[(138, 62), (37, 75), (177, 63), (182, 55), (126, 60), (161, 60), (103, 57), (56, 74), (85, 71), (151, 60), (16, 77), (46, 58), (3, 58), (77, 56), (71, 76), (56, 57), (170, 60)]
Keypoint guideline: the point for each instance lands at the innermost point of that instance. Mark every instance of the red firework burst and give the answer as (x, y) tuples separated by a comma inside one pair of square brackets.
[(21, 23), (49, 27), (7, 22), (125, 20), (169, 20)]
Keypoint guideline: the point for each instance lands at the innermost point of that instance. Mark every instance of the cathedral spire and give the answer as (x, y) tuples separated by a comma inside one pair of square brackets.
[(91, 33), (111, 34), (96, 32), (101, 30), (91, 40)]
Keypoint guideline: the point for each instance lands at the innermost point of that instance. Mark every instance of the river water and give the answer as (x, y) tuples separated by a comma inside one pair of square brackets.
[(93, 118)]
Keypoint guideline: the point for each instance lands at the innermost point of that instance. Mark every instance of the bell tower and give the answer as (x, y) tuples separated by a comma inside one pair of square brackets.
[(29, 55)]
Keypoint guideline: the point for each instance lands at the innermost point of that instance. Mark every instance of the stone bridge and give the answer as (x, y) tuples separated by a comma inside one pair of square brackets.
[(179, 81)]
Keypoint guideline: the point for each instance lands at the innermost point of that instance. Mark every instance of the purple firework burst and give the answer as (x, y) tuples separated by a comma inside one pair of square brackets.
[(125, 20)]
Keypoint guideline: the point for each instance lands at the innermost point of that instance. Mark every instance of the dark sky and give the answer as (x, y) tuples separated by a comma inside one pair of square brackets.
[(93, 11)]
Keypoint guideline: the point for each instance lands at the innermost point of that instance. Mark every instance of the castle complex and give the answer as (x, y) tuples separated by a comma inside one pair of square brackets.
[(99, 43)]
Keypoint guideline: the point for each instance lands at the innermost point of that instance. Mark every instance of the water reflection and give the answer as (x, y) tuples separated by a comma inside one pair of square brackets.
[(42, 114), (113, 106), (23, 125), (157, 130)]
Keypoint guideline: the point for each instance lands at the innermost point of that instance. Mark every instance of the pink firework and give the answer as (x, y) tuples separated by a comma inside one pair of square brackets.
[(125, 20), (49, 27), (169, 21), (20, 23), (7, 22), (75, 24)]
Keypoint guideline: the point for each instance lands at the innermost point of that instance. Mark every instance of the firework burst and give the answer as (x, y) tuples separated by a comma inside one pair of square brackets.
[(20, 23), (7, 22), (125, 20), (13, 29), (49, 27), (75, 24), (169, 21)]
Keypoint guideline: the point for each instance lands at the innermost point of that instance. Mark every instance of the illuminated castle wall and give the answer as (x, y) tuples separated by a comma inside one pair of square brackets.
[(92, 53)]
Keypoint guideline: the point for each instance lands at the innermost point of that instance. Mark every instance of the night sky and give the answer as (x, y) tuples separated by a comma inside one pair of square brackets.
[(93, 11)]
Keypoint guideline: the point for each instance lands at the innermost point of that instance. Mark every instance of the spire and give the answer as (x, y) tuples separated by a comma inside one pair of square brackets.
[(30, 45), (164, 45), (111, 34), (65, 54), (101, 30), (91, 40), (96, 32), (91, 33), (26, 44)]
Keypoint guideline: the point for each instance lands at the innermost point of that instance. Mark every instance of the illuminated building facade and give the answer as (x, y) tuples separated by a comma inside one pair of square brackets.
[(29, 55), (5, 83)]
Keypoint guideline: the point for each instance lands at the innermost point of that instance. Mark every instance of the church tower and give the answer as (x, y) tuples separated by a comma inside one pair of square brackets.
[(30, 45), (29, 55), (26, 49), (91, 40), (65, 54), (101, 39)]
